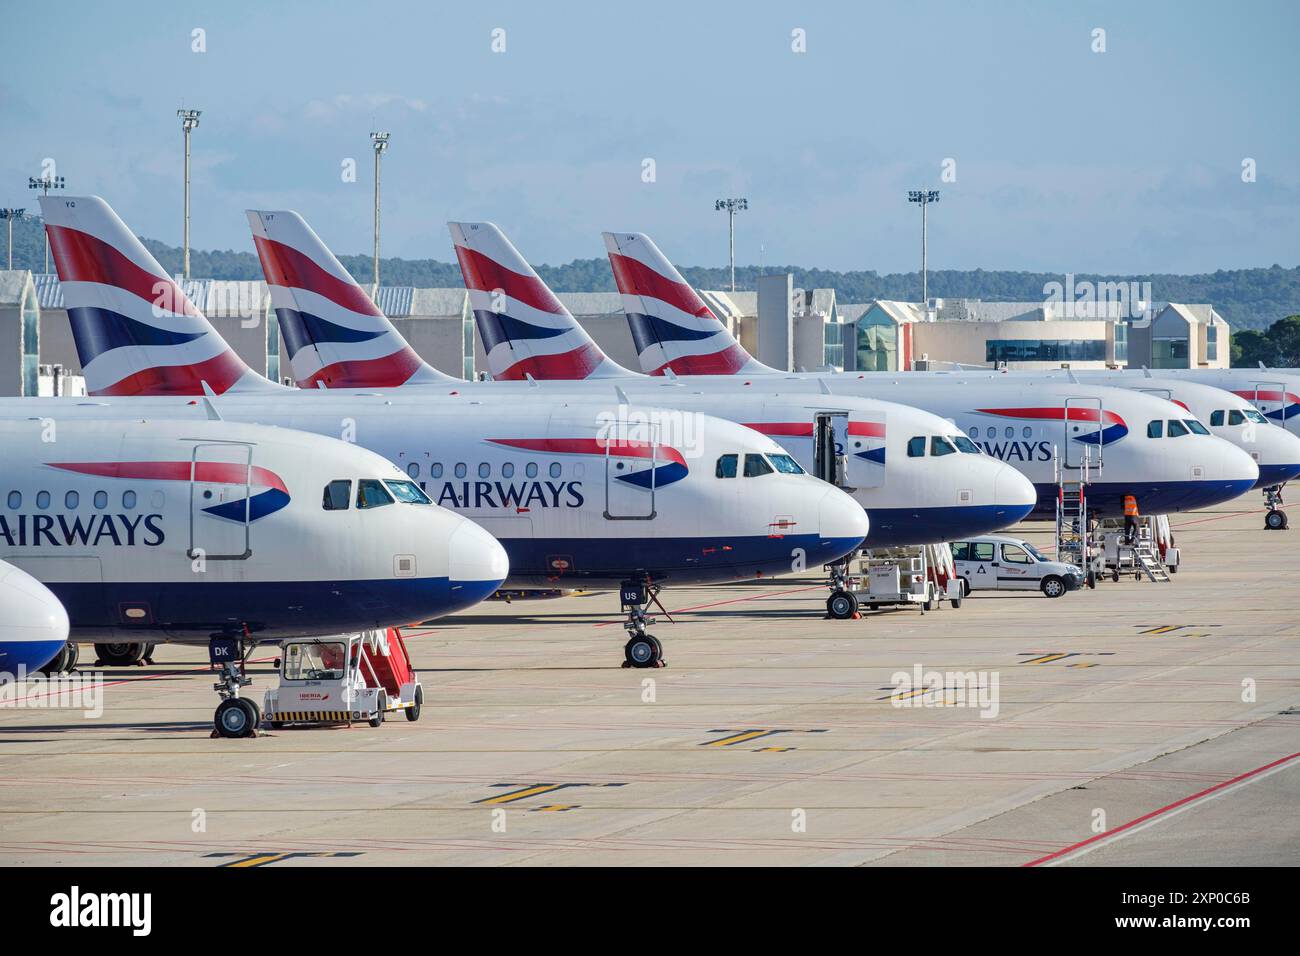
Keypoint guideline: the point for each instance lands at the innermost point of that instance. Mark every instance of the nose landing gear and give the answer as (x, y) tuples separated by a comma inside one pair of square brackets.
[(643, 648), (235, 716), (1275, 520)]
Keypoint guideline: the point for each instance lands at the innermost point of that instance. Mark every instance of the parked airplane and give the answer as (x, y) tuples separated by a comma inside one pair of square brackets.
[(597, 494), (1226, 414), (335, 336), (33, 624), (156, 530), (1042, 428)]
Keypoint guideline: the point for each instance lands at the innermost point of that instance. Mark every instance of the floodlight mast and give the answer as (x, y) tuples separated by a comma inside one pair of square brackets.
[(732, 206), (923, 198)]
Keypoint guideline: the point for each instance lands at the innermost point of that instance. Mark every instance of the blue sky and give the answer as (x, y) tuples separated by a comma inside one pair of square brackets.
[(1127, 161)]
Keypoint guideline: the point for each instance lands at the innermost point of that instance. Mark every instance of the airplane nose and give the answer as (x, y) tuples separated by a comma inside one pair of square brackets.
[(33, 623), (1279, 456), (1014, 492), (475, 559), (840, 518)]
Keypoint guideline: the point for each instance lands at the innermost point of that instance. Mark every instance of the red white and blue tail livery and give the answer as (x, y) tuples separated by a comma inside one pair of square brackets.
[(332, 330), (524, 328), (671, 325), (135, 330)]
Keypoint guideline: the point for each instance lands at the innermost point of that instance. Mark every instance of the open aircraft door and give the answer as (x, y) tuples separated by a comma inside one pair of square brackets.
[(1270, 399), (865, 450), (1083, 422), (221, 501), (830, 443)]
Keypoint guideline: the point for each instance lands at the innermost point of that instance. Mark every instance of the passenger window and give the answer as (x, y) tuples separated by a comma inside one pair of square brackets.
[(961, 550), (1156, 429), (128, 500), (1014, 554), (1027, 432), (435, 470), (337, 495), (1176, 429), (413, 469), (460, 469), (101, 500), (756, 465), (42, 499), (371, 493), (508, 470), (71, 500), (484, 469), (555, 469), (981, 551), (531, 469), (1009, 432), (1216, 417), (941, 446), (990, 432), (15, 500), (916, 447), (974, 431), (1234, 418), (726, 467)]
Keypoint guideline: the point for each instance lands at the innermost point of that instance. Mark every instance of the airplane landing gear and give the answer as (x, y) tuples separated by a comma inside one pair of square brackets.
[(123, 654), (235, 716), (1275, 520), (643, 648)]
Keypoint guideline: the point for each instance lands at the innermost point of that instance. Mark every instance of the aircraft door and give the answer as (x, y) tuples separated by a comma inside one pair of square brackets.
[(830, 448), (1082, 420), (221, 501), (631, 472)]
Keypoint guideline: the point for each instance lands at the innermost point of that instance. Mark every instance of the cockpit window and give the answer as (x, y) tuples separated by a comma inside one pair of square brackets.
[(1156, 429), (409, 492), (337, 495), (726, 467), (916, 447), (785, 464), (1196, 427), (1216, 417), (371, 493), (1235, 417), (941, 446), (1176, 428), (966, 446), (756, 465), (1256, 416)]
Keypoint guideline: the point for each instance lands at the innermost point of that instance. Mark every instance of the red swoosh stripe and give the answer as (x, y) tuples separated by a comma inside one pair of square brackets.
[(566, 366), (286, 266), (81, 257), (221, 372), (636, 278), (387, 371), (622, 448), (485, 275), (1074, 414), (213, 472), (867, 429)]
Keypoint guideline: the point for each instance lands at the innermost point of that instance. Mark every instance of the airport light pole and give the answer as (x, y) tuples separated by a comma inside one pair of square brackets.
[(380, 141), (923, 197), (45, 184), (732, 206), (189, 122), (9, 215)]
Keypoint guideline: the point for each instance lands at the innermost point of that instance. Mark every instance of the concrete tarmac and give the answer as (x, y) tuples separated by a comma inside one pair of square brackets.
[(774, 736)]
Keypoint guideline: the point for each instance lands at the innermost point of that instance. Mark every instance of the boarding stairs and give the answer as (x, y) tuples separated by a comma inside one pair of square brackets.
[(1146, 558)]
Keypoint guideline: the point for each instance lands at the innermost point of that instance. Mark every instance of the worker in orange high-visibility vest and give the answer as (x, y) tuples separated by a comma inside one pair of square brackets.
[(1130, 519)]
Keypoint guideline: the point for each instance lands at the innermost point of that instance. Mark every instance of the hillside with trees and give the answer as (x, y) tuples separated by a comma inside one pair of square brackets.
[(1247, 298)]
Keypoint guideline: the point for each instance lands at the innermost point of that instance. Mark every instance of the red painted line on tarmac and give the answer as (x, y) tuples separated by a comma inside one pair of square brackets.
[(752, 597), (1230, 514), (1162, 810)]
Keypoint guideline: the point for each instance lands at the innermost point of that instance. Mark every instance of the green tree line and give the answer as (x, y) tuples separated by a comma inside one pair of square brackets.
[(1249, 299), (1278, 346)]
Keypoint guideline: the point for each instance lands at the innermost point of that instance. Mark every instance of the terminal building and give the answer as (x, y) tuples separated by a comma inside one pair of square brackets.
[(782, 325)]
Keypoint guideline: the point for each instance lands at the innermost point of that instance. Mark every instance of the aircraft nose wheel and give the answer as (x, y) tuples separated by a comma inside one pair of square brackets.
[(236, 717), (643, 650), (842, 605), (1275, 520)]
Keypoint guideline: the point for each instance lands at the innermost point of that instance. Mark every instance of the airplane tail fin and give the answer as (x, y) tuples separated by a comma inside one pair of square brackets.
[(334, 333), (136, 333), (671, 325), (524, 328)]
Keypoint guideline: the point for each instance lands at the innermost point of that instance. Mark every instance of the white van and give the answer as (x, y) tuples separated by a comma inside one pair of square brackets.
[(1001, 562)]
